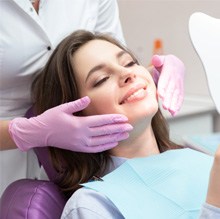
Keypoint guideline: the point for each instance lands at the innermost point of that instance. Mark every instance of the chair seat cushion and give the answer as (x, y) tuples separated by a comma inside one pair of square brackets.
[(32, 199)]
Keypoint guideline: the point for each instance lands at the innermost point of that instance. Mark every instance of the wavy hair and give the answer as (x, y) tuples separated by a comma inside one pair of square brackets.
[(56, 84)]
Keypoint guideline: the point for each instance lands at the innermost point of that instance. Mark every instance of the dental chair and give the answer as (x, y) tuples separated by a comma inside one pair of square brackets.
[(40, 199), (33, 199)]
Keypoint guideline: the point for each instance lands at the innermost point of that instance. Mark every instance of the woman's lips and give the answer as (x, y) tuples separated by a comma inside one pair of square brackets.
[(134, 94)]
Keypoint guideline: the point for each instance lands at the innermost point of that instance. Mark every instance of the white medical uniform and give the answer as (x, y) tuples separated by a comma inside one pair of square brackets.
[(88, 203), (27, 39)]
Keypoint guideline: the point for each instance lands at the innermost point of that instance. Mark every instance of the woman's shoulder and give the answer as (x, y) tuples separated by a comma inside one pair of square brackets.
[(90, 202)]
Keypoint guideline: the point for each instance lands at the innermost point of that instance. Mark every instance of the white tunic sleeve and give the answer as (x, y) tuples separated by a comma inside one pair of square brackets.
[(209, 212), (89, 204), (108, 20)]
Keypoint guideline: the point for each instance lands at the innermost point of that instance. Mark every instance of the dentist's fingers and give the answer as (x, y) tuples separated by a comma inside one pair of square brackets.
[(102, 143), (110, 129), (174, 106), (102, 120), (162, 86), (177, 102), (172, 71), (100, 148), (168, 95), (75, 106)]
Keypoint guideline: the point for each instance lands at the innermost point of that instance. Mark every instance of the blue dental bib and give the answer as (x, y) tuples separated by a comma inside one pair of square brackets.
[(171, 185)]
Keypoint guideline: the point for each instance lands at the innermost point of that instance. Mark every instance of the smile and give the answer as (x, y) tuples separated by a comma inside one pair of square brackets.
[(134, 95)]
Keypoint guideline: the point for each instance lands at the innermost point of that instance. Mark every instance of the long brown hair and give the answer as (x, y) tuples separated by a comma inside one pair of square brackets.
[(56, 85)]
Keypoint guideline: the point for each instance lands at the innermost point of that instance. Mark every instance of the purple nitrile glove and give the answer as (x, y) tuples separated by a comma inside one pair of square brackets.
[(169, 75), (59, 128)]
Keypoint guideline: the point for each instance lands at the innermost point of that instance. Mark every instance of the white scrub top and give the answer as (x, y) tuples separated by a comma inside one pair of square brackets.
[(27, 39)]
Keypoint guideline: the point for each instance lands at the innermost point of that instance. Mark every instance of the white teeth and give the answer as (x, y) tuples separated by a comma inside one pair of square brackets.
[(137, 93)]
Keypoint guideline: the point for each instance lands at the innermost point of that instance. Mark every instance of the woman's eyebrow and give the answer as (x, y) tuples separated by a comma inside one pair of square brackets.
[(121, 53), (94, 69)]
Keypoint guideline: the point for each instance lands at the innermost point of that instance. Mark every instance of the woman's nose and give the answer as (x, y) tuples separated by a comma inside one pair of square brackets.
[(127, 76)]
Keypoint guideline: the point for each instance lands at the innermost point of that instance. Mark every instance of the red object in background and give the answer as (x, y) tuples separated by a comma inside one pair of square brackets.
[(158, 47)]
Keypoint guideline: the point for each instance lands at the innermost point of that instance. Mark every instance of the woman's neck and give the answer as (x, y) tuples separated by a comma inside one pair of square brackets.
[(142, 144)]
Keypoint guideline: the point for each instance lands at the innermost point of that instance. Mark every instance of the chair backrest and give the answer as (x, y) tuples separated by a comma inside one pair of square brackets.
[(33, 199), (43, 154)]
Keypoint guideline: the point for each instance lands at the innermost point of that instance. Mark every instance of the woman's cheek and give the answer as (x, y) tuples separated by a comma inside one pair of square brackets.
[(103, 105), (99, 105)]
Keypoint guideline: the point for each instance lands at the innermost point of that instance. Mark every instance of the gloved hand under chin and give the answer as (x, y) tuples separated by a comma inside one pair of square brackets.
[(59, 128), (169, 75)]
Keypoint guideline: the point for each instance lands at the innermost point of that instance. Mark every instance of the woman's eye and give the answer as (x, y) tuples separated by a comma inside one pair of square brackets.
[(131, 64), (100, 81)]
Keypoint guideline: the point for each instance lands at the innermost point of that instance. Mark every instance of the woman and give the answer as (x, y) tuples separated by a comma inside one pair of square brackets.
[(30, 30), (98, 66)]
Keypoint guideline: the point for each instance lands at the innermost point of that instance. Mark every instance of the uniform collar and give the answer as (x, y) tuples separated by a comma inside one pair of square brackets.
[(27, 7)]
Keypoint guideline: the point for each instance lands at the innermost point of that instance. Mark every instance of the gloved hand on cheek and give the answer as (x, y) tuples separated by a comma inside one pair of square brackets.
[(58, 127), (169, 75)]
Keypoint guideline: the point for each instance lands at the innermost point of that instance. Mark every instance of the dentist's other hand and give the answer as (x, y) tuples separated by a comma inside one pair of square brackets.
[(59, 128), (169, 74)]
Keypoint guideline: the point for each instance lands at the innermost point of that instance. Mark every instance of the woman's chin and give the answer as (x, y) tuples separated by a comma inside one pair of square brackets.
[(141, 115)]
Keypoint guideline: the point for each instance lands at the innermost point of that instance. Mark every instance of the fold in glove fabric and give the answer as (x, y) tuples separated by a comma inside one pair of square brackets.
[(170, 185)]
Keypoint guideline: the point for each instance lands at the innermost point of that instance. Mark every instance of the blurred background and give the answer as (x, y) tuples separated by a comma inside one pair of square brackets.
[(161, 26)]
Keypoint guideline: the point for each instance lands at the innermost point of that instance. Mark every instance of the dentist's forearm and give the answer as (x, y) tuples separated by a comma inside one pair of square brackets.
[(6, 142)]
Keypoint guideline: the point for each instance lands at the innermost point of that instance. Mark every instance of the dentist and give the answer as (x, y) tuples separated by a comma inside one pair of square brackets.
[(29, 31)]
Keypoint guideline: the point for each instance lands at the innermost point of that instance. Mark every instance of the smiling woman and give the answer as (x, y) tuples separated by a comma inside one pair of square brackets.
[(98, 66), (114, 81)]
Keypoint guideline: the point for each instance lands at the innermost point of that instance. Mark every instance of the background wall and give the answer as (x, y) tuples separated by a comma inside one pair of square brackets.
[(145, 20)]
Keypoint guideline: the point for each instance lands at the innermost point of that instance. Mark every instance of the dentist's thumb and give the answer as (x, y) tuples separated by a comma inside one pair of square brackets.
[(75, 106), (157, 60)]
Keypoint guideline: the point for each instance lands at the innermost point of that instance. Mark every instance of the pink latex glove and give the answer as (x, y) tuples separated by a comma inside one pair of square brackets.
[(59, 128), (169, 74)]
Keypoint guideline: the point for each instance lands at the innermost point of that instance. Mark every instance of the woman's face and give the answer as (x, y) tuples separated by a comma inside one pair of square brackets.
[(114, 82)]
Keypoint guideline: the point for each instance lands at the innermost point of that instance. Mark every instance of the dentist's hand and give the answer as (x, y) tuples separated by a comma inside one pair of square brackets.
[(59, 128), (169, 74)]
